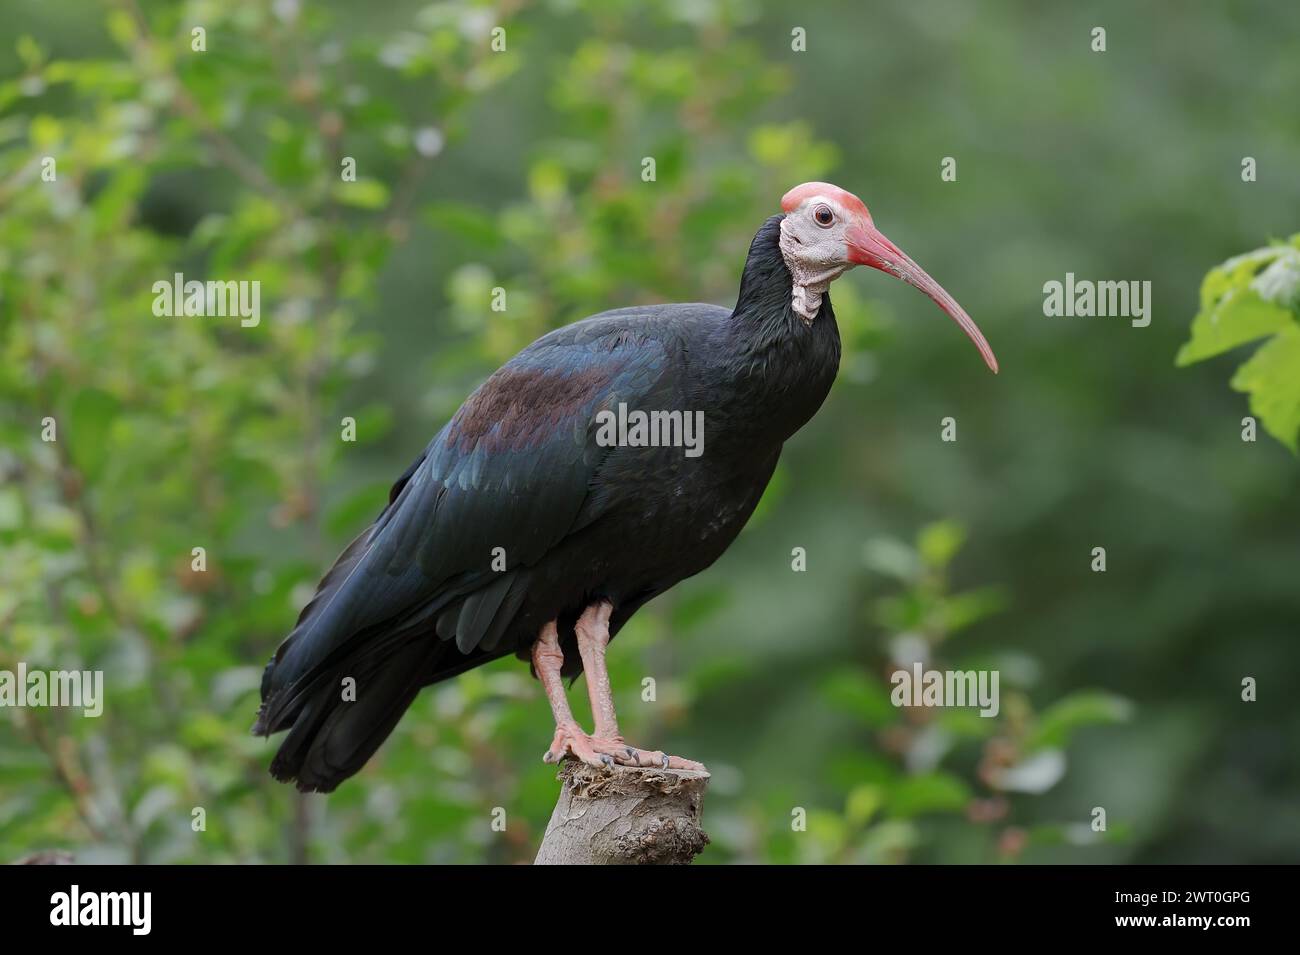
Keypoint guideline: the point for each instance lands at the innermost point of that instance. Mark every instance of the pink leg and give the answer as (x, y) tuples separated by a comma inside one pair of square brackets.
[(548, 658), (570, 739), (592, 630), (606, 747)]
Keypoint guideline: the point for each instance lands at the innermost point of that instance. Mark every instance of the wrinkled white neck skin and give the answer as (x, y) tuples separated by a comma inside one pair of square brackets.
[(812, 277)]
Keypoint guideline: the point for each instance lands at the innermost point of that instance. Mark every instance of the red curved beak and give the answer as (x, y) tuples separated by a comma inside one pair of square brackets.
[(868, 246)]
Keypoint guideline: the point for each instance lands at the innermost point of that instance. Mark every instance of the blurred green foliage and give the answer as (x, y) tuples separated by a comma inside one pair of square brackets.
[(1248, 297), (522, 170), (944, 766)]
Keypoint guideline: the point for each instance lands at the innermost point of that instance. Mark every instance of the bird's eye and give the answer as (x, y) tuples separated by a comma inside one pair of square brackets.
[(823, 215)]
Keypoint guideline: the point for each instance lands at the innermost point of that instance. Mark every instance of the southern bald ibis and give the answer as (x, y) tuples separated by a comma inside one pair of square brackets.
[(518, 531)]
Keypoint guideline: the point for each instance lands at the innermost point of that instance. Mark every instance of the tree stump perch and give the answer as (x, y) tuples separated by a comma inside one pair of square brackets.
[(625, 816)]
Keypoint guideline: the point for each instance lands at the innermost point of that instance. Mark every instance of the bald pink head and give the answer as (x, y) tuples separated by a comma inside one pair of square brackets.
[(797, 196), (820, 214)]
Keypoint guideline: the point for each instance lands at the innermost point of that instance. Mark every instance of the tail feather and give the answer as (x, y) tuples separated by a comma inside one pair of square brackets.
[(392, 632), (334, 736), (276, 712), (327, 627)]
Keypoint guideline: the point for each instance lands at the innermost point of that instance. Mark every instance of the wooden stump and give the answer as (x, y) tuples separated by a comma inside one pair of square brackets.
[(625, 816), (46, 857)]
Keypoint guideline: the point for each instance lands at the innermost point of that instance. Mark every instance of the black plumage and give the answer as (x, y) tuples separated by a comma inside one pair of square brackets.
[(415, 599)]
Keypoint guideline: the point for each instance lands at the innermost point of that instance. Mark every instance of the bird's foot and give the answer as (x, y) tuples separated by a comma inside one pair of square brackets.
[(653, 758), (597, 751)]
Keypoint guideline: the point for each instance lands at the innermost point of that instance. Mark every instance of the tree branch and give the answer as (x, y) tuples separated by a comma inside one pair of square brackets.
[(625, 816)]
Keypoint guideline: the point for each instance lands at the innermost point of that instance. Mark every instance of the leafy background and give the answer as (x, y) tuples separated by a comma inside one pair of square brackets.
[(521, 170)]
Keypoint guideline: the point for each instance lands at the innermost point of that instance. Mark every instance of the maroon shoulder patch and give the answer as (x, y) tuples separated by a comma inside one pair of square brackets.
[(517, 407)]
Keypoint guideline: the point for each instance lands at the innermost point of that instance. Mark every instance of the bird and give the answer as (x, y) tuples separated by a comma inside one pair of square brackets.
[(527, 526)]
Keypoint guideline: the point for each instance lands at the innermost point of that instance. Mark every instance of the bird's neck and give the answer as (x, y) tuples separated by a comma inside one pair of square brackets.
[(783, 365)]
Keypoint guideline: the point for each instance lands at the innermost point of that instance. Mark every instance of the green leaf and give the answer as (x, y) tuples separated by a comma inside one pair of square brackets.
[(887, 841), (828, 830), (852, 692), (1058, 722), (1242, 316), (466, 222), (116, 201), (964, 723), (938, 543), (1236, 306), (46, 132), (1244, 299), (1279, 283), (364, 193), (1272, 379), (90, 417), (864, 802), (963, 610), (29, 51), (930, 792)]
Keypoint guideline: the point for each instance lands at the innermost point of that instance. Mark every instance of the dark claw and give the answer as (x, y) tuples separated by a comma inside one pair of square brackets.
[(665, 760), (548, 757), (608, 760), (631, 753)]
